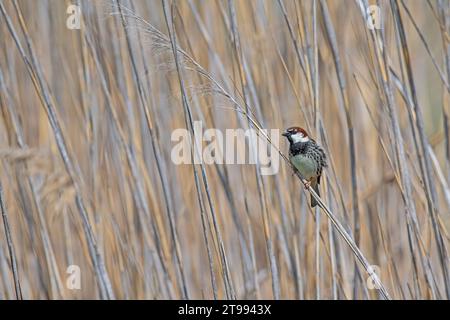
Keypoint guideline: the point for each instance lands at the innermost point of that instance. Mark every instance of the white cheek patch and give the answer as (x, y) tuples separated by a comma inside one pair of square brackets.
[(298, 137)]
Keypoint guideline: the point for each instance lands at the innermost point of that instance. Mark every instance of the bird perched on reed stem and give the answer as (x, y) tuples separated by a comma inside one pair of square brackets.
[(307, 157)]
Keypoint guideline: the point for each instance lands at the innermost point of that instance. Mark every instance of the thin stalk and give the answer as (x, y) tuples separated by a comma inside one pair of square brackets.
[(43, 92), (9, 242)]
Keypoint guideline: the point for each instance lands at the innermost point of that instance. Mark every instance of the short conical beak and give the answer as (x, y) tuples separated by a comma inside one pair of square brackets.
[(285, 134)]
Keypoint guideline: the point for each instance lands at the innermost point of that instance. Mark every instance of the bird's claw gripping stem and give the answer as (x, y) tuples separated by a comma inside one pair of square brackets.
[(307, 184)]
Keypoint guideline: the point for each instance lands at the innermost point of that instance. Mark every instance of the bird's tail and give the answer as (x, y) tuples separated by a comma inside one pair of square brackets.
[(315, 187)]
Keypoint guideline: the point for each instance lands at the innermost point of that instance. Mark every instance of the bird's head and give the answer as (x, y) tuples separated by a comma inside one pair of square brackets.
[(296, 134)]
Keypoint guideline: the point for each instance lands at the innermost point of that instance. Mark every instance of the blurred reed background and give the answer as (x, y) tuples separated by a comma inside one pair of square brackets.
[(85, 146)]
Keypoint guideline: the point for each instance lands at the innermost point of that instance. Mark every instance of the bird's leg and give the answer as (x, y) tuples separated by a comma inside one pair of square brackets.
[(308, 184)]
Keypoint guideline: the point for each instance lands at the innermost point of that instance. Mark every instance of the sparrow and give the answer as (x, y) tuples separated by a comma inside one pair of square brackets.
[(307, 157)]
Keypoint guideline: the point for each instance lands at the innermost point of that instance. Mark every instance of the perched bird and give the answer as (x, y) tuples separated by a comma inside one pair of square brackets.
[(307, 157)]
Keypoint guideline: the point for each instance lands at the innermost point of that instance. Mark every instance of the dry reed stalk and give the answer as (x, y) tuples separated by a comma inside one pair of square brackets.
[(9, 241), (43, 91)]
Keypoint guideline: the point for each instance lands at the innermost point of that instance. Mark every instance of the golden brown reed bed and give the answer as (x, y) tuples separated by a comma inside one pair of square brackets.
[(86, 171)]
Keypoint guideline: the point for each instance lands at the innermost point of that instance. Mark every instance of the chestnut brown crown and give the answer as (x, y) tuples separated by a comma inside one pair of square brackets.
[(294, 130)]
